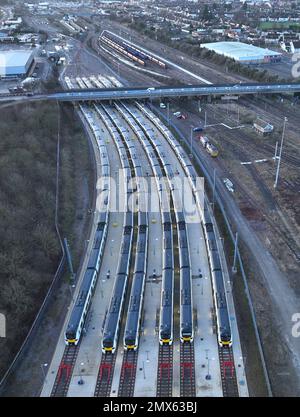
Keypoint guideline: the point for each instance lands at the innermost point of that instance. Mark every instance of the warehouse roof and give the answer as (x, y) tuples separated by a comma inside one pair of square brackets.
[(15, 62), (239, 50), (14, 58)]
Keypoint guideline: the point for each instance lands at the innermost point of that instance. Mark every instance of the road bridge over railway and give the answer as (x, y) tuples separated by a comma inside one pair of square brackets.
[(125, 93)]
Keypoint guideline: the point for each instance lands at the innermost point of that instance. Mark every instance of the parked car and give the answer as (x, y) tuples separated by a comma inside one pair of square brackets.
[(228, 184)]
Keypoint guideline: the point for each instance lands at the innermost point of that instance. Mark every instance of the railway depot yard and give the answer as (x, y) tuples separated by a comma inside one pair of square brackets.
[(116, 375)]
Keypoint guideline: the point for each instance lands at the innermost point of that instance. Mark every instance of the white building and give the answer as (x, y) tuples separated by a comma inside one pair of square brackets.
[(243, 53), (15, 63)]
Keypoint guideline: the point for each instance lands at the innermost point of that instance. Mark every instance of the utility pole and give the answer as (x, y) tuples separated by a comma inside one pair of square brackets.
[(275, 155), (205, 115), (43, 367), (214, 190), (191, 141), (81, 381), (280, 153), (168, 113), (69, 258), (234, 269)]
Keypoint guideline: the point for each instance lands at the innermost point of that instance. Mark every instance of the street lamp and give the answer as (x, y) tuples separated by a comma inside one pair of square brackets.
[(280, 153), (81, 381), (71, 287), (243, 360), (43, 366), (191, 147), (208, 376), (168, 113)]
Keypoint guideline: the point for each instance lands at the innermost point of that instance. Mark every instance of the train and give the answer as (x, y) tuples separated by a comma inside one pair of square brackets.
[(166, 308), (134, 51), (83, 301), (79, 313), (219, 294), (126, 148), (122, 50), (210, 148), (114, 313), (134, 315), (186, 304)]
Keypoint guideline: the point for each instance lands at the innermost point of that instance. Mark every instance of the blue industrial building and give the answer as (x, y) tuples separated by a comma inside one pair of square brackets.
[(15, 63)]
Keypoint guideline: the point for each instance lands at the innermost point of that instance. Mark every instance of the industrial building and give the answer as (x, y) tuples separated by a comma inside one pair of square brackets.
[(262, 127), (15, 63), (243, 53)]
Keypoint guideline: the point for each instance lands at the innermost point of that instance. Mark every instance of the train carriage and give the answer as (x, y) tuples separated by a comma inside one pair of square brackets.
[(113, 318), (80, 309), (134, 315), (166, 311), (186, 307), (222, 317)]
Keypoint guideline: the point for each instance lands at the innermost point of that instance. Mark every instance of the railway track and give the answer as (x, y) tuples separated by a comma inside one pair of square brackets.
[(187, 370), (271, 203), (128, 374), (165, 371), (246, 139), (105, 375), (228, 374), (278, 228), (64, 373)]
